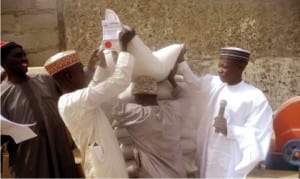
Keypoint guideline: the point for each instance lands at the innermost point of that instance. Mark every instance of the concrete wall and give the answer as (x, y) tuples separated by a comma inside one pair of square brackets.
[(33, 24), (270, 29), (267, 28)]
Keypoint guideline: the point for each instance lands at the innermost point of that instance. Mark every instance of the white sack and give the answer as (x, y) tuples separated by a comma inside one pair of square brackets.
[(155, 64)]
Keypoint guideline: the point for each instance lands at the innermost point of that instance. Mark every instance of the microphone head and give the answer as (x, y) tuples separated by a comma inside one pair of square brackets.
[(223, 102)]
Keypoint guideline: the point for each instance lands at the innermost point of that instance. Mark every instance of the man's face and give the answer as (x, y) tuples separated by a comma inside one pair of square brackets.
[(72, 78), (79, 78), (16, 61), (230, 71)]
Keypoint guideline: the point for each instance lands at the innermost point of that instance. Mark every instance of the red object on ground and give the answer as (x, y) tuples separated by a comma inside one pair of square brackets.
[(287, 122)]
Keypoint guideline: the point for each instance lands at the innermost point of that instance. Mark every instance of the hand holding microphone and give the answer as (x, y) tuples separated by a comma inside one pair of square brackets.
[(220, 122)]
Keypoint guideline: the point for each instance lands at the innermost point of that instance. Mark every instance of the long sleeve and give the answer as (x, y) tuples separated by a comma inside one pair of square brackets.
[(100, 75), (253, 137), (189, 76), (203, 83), (94, 95)]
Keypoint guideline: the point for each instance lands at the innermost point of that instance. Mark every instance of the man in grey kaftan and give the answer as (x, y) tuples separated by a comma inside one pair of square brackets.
[(33, 99), (155, 129)]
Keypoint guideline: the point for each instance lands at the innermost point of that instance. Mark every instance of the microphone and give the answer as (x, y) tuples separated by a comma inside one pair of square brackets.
[(223, 104)]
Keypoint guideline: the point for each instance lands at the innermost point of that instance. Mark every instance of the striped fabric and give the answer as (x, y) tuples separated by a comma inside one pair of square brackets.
[(235, 53)]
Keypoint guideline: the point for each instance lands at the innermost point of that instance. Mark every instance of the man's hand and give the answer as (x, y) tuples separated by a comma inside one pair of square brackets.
[(101, 58), (175, 68), (90, 67), (171, 78), (96, 56), (181, 55), (220, 125), (126, 36)]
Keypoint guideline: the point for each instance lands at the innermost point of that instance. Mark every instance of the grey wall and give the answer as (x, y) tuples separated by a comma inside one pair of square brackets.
[(35, 25)]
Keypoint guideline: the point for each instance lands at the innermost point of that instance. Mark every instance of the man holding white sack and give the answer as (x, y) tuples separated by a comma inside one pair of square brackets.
[(157, 65), (81, 111), (236, 123)]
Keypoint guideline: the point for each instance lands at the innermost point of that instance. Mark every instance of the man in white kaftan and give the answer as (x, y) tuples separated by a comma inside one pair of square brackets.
[(80, 109), (90, 127), (155, 128), (248, 117)]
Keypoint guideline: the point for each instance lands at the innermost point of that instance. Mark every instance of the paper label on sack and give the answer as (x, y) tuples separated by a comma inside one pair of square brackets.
[(19, 132), (111, 27)]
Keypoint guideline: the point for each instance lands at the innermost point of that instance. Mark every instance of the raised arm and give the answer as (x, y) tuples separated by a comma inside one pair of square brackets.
[(99, 92), (93, 96)]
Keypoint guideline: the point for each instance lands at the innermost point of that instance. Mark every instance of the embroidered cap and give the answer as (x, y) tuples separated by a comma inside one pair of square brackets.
[(144, 85), (235, 53), (61, 61), (3, 43)]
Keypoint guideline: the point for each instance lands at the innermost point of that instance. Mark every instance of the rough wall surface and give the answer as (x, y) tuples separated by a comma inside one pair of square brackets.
[(33, 24), (269, 29)]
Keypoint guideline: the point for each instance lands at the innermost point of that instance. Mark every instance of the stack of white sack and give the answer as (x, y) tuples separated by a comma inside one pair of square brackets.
[(157, 64)]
